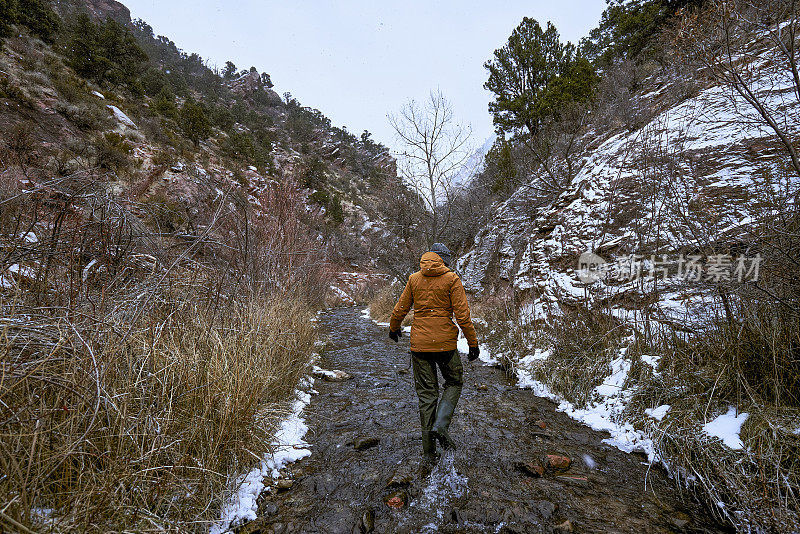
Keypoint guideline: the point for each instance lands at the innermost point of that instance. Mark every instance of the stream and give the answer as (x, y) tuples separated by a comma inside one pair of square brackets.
[(364, 474)]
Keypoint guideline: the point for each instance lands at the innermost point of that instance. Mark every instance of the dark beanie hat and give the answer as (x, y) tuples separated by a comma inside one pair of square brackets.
[(443, 252)]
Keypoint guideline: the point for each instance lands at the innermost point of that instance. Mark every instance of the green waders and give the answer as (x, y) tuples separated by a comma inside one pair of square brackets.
[(434, 413)]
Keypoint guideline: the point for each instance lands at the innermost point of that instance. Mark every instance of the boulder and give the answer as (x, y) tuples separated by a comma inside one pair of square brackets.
[(558, 462), (365, 443)]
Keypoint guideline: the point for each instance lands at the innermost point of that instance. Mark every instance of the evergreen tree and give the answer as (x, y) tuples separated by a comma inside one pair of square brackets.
[(194, 121), (165, 104), (8, 16), (229, 72), (533, 75), (627, 28), (40, 18), (104, 52), (36, 15)]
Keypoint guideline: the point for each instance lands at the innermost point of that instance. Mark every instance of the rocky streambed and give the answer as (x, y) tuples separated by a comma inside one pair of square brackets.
[(521, 466)]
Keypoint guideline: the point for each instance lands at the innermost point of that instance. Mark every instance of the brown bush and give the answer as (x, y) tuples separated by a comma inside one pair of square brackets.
[(138, 379), (382, 304)]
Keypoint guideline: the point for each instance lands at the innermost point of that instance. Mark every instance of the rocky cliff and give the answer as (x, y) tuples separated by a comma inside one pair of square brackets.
[(686, 180)]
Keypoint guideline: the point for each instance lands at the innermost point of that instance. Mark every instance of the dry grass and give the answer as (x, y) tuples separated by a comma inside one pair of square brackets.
[(137, 379), (382, 304), (746, 362), (144, 434), (581, 345)]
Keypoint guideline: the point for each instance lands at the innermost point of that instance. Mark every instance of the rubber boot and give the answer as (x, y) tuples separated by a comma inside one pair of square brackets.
[(429, 455), (443, 416)]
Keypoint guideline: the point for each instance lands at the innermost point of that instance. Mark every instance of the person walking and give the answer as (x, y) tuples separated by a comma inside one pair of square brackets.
[(437, 294)]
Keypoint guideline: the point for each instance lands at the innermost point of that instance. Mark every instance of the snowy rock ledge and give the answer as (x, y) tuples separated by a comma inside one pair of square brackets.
[(288, 446)]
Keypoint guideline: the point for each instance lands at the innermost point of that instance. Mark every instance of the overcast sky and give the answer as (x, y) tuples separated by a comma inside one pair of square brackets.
[(356, 61)]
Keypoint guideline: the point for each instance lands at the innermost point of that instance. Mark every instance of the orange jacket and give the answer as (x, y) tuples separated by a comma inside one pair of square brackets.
[(437, 294)]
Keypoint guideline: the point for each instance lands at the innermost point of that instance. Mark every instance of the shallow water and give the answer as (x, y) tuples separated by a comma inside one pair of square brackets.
[(477, 488)]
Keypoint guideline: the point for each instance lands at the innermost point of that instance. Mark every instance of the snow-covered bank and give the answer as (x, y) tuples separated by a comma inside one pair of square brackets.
[(605, 413), (288, 446)]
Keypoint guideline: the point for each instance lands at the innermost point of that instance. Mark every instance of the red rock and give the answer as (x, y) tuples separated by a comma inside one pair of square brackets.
[(566, 526), (541, 424), (395, 502), (396, 499), (531, 469), (558, 462)]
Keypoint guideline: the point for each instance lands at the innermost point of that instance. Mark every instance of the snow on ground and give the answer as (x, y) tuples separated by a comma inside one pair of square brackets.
[(347, 299), (121, 117), (658, 413), (727, 427), (602, 414), (319, 371), (486, 356), (288, 446)]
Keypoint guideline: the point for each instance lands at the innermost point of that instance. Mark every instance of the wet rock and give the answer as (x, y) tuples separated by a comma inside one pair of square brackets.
[(367, 522), (580, 437), (284, 484), (558, 462), (365, 443), (566, 526), (257, 526), (574, 480), (400, 479), (326, 485), (396, 499), (532, 469), (267, 509), (545, 508)]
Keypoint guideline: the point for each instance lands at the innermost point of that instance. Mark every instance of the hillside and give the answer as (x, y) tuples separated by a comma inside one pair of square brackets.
[(659, 275), (167, 233), (184, 246)]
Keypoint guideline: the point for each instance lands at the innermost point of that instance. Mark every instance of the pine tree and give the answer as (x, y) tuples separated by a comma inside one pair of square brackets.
[(194, 122), (104, 52), (534, 75)]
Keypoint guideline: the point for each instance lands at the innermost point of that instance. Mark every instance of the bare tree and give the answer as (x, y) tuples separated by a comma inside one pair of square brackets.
[(435, 147)]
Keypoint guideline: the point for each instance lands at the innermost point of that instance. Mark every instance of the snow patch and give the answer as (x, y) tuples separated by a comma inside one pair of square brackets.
[(602, 414), (29, 237), (121, 117), (288, 446), (658, 413), (727, 427), (342, 294)]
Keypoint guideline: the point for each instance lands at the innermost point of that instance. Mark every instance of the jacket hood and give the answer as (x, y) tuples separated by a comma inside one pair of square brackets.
[(431, 264)]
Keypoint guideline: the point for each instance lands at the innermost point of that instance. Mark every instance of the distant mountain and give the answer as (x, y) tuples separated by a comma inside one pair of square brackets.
[(474, 163)]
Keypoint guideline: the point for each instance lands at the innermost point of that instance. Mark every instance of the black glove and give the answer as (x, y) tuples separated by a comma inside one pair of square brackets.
[(395, 336), (474, 352)]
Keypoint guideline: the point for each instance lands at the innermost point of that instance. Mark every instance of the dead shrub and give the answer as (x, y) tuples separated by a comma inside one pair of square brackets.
[(382, 304), (138, 379)]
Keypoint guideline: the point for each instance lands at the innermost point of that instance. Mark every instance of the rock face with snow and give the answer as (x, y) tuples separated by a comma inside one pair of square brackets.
[(681, 181)]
